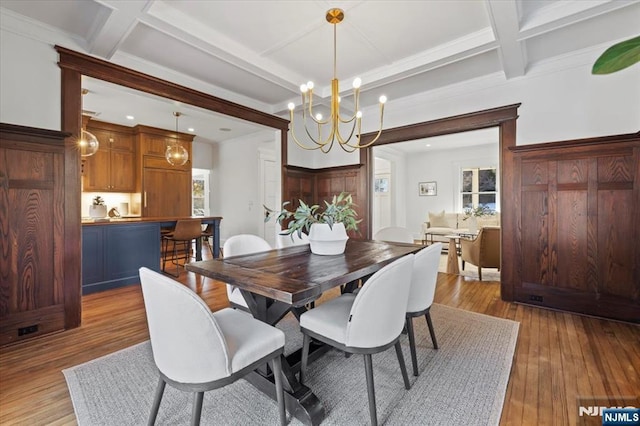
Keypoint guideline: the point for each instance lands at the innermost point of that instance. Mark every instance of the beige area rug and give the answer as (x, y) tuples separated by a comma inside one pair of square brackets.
[(463, 382), (471, 271)]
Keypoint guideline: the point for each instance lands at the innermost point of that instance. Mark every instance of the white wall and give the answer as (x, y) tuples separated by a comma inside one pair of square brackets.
[(29, 82), (443, 167), (235, 189)]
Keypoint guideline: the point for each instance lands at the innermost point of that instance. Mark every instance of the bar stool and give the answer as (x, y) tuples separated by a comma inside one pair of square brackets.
[(206, 234), (185, 232)]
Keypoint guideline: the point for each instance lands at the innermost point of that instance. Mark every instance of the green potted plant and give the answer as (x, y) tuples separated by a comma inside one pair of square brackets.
[(98, 209), (326, 226)]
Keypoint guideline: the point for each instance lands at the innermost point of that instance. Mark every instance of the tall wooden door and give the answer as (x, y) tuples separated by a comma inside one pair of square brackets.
[(32, 253)]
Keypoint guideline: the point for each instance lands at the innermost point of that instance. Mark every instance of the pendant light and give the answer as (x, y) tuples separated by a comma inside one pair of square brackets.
[(88, 144), (176, 154)]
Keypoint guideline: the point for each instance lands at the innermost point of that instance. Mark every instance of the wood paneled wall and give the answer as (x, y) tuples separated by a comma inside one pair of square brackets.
[(317, 185), (578, 226), (35, 267)]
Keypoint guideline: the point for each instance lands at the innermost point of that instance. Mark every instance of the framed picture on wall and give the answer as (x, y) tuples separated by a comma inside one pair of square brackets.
[(382, 185), (428, 188)]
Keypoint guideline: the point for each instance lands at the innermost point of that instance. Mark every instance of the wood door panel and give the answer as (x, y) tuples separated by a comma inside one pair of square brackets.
[(615, 248), (32, 225), (97, 171), (123, 167), (572, 247), (534, 173), (572, 171), (154, 145), (33, 276), (166, 193), (535, 243), (616, 169), (122, 141)]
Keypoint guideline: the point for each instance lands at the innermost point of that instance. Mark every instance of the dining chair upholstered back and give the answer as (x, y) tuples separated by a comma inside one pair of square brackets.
[(283, 241), (196, 350), (366, 323), (239, 245), (424, 277), (394, 234), (181, 327), (377, 313), (423, 289)]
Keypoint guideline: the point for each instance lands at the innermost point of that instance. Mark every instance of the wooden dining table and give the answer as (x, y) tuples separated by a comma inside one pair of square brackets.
[(277, 282)]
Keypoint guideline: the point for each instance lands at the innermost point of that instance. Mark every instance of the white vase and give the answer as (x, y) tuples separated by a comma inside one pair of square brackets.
[(327, 241), (473, 224), (97, 211)]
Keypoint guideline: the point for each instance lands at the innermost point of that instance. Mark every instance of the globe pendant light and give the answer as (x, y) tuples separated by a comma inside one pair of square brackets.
[(176, 154), (88, 144)]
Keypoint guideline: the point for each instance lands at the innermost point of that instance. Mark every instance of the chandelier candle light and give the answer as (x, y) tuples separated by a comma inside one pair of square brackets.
[(176, 154), (324, 144)]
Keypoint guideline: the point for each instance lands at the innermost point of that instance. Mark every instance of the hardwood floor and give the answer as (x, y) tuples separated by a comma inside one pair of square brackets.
[(559, 356)]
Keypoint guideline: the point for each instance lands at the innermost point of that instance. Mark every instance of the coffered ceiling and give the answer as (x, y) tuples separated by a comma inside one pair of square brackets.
[(257, 53)]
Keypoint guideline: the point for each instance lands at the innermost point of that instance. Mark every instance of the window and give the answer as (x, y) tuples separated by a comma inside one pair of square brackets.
[(479, 188), (200, 192)]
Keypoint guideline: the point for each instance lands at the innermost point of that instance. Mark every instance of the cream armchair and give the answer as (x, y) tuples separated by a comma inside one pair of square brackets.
[(484, 251)]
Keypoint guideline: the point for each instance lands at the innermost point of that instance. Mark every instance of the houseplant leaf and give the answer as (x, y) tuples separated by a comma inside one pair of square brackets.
[(618, 57)]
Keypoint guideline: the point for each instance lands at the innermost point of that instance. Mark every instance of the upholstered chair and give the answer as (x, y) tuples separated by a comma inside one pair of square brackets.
[(483, 251), (283, 241), (394, 234), (367, 323), (239, 245), (423, 289), (182, 237), (196, 350)]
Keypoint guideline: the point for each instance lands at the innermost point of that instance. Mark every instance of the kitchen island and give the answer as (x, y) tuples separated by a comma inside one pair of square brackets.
[(113, 250)]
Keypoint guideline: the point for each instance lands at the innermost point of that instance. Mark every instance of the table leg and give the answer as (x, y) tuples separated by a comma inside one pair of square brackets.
[(300, 401), (452, 258), (198, 248)]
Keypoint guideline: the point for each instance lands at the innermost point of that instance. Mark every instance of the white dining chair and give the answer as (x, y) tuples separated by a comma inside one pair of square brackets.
[(367, 323), (294, 239), (239, 245), (196, 350), (394, 234), (423, 288)]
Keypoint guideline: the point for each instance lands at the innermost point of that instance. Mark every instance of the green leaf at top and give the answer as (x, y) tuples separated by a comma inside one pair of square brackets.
[(618, 57)]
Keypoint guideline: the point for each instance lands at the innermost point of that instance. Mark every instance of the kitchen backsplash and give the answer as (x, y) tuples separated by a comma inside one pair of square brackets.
[(113, 199)]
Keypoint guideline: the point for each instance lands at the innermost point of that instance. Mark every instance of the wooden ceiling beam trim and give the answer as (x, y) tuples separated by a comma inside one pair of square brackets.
[(116, 74)]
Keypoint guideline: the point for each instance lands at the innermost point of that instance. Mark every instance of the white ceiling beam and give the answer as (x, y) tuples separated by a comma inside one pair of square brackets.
[(562, 14), (111, 32), (504, 20)]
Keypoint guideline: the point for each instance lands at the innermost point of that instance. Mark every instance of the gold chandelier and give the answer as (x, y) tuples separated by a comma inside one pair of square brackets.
[(176, 154), (324, 144)]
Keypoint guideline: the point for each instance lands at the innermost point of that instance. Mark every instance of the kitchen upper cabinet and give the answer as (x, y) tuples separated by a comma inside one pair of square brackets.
[(113, 167), (154, 143)]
